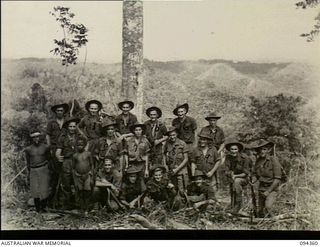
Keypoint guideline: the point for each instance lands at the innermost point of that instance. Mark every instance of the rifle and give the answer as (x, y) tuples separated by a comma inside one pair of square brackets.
[(253, 197), (116, 199)]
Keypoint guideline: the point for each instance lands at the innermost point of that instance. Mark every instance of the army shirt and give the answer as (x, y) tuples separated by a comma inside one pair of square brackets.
[(174, 153), (267, 169), (186, 129), (205, 189), (91, 126), (123, 124), (205, 163), (216, 134)]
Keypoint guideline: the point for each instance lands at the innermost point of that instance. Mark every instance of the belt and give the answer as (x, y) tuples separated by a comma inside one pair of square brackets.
[(40, 165), (264, 184)]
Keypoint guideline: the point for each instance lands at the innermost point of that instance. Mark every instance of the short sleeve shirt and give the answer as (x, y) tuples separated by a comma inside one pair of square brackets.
[(110, 177), (205, 189), (158, 191), (267, 169), (103, 149), (91, 126), (67, 144), (239, 164), (131, 191), (175, 152), (138, 151), (54, 131), (217, 135), (123, 125), (205, 163), (186, 129)]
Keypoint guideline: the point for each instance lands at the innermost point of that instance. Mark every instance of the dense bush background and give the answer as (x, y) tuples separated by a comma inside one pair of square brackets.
[(275, 100)]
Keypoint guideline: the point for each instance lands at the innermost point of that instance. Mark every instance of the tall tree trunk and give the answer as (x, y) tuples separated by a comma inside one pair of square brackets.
[(132, 53)]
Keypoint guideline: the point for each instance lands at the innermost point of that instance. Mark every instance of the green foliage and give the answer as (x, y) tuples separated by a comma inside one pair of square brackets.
[(279, 118), (75, 36), (316, 28)]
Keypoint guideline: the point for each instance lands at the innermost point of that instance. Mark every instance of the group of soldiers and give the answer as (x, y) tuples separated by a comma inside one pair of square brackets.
[(116, 163)]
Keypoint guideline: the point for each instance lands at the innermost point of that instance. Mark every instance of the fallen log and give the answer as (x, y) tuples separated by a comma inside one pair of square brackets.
[(144, 222), (59, 211), (281, 217)]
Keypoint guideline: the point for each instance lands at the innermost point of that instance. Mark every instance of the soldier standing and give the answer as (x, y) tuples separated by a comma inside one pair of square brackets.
[(109, 144), (175, 153), (138, 148), (214, 131), (185, 125), (205, 158), (54, 130), (90, 124), (66, 147), (126, 119), (155, 133)]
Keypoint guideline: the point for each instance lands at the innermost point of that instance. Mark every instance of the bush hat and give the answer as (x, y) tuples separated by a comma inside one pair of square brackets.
[(185, 106), (170, 129), (213, 115), (65, 106), (130, 103), (205, 136), (143, 126), (157, 168), (261, 143), (154, 108), (94, 101), (69, 120), (232, 142), (107, 122), (132, 170)]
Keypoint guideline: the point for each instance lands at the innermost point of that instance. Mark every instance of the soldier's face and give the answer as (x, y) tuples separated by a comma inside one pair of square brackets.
[(181, 112), (198, 181), (132, 178), (110, 131), (158, 175), (212, 122), (203, 142), (72, 127), (107, 165), (264, 151), (81, 145), (125, 108), (234, 150), (93, 109), (59, 112), (173, 136), (153, 115), (138, 131)]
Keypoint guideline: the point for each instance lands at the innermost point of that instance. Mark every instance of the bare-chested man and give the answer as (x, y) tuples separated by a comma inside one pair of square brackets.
[(38, 156), (83, 174)]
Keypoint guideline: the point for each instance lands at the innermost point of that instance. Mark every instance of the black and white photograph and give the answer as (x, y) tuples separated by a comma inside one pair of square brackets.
[(160, 115)]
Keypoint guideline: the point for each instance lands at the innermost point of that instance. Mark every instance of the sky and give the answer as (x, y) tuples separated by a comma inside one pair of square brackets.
[(246, 30)]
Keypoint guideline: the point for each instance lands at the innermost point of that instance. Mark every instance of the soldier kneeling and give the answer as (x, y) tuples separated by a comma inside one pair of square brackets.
[(159, 189), (107, 187), (199, 192)]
